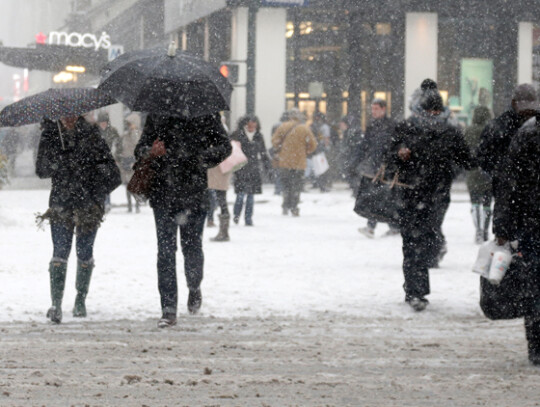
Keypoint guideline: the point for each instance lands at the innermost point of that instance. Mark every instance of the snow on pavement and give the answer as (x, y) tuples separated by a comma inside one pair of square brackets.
[(282, 266)]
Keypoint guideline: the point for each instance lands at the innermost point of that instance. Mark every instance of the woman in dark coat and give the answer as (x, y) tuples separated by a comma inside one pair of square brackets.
[(248, 179), (83, 171), (182, 150)]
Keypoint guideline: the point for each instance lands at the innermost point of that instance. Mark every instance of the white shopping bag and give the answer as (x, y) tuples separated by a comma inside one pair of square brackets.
[(484, 258), (502, 257), (320, 164)]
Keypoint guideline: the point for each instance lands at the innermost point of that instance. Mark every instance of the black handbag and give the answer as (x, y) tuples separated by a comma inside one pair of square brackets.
[(379, 199), (513, 298)]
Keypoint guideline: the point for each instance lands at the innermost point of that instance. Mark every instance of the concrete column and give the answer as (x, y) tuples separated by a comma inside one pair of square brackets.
[(239, 30), (525, 53), (421, 33), (270, 66)]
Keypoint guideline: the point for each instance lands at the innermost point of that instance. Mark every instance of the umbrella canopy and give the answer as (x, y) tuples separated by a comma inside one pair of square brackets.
[(176, 85), (53, 104)]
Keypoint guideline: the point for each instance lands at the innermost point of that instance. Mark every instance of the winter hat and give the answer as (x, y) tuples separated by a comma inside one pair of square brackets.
[(524, 98), (432, 101), (428, 84)]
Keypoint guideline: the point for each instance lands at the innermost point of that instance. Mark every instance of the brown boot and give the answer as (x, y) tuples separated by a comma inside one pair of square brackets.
[(223, 234)]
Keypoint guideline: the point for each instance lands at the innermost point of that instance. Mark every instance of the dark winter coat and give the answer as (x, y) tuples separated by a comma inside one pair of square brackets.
[(193, 146), (517, 215), (83, 172), (436, 148), (375, 146), (248, 178), (494, 143)]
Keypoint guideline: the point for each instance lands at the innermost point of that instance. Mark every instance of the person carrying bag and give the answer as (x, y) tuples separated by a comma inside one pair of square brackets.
[(378, 198)]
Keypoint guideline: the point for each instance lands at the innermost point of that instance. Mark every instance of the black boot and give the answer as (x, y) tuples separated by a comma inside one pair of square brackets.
[(532, 333), (57, 275), (84, 273), (194, 301)]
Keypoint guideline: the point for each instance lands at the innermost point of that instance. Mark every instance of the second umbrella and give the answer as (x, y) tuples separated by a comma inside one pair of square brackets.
[(169, 84)]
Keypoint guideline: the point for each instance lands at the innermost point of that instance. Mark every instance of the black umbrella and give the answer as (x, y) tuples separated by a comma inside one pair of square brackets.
[(172, 84), (53, 104)]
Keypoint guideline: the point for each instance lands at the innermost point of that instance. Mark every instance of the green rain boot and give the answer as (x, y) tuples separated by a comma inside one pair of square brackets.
[(84, 273), (57, 273)]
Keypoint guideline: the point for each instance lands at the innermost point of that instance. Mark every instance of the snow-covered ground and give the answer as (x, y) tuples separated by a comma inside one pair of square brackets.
[(282, 266), (297, 312)]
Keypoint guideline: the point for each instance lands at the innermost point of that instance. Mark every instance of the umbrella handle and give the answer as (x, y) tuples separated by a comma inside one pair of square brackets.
[(60, 132)]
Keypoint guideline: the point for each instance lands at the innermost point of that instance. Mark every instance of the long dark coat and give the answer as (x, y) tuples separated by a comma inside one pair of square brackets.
[(517, 217), (193, 146), (436, 149), (248, 179), (375, 145), (494, 142), (83, 172), (517, 214)]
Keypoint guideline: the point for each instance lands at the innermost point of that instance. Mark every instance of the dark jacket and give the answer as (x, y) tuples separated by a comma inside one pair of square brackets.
[(248, 179), (494, 143), (436, 148), (193, 146), (83, 171), (517, 214), (375, 146)]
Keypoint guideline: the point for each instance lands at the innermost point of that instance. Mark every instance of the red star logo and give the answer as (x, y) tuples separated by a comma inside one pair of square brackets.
[(41, 38)]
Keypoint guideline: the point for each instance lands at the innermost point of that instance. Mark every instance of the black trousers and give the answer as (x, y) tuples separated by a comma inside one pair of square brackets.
[(441, 204), (418, 227), (530, 249), (291, 183), (191, 225)]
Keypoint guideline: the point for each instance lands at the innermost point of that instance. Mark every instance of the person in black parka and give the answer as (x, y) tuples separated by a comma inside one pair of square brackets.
[(498, 134), (248, 179), (182, 151), (83, 171), (374, 148), (424, 151), (517, 218)]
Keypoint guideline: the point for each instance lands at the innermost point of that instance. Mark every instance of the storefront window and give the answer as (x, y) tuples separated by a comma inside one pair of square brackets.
[(317, 54)]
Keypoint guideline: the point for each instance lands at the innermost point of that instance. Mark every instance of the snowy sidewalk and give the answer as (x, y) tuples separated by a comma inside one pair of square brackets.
[(282, 266), (297, 312)]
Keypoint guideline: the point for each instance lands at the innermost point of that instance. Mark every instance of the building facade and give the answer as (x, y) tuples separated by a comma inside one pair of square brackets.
[(336, 56)]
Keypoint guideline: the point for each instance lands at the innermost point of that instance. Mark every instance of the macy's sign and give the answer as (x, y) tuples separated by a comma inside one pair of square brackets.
[(80, 40)]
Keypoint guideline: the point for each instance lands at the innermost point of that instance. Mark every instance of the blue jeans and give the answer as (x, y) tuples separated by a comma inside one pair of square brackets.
[(239, 203), (191, 224), (62, 237)]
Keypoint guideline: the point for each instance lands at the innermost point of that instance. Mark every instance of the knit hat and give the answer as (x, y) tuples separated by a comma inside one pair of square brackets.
[(524, 98)]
